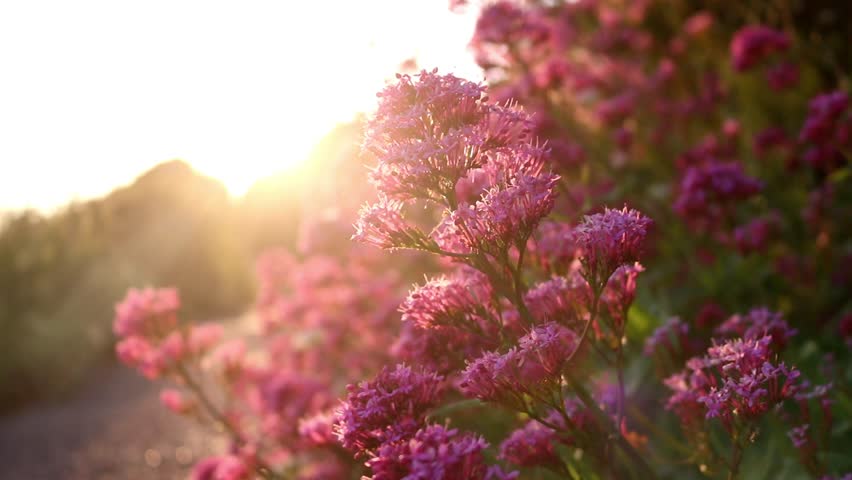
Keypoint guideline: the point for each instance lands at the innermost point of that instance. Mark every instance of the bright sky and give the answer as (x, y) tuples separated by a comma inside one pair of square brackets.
[(92, 93)]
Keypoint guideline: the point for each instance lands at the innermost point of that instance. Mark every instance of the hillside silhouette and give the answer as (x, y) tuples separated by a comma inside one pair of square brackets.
[(62, 272)]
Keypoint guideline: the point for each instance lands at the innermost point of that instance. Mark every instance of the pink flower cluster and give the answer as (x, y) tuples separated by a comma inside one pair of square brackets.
[(609, 240), (150, 339), (754, 43), (388, 408), (533, 368), (827, 131), (709, 192), (435, 452), (736, 381), (432, 133)]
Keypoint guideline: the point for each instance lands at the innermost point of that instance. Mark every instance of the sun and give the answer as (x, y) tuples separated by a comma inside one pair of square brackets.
[(100, 92)]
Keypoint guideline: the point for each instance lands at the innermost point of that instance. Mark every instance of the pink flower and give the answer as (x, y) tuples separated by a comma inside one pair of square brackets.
[(459, 301), (755, 235), (609, 240), (175, 401), (382, 224), (698, 23), (707, 192), (227, 467), (736, 380), (431, 130), (149, 313), (534, 366), (391, 405), (782, 76), (530, 446), (620, 292), (670, 339), (434, 452), (203, 337), (753, 43), (824, 112), (507, 215), (799, 436), (758, 323), (318, 429), (560, 299), (552, 246)]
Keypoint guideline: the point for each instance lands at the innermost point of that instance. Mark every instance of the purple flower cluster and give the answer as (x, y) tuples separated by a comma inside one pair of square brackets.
[(735, 381), (609, 240), (506, 215), (390, 407), (708, 192), (435, 452), (562, 299), (757, 324), (446, 302), (755, 43), (534, 368), (434, 133)]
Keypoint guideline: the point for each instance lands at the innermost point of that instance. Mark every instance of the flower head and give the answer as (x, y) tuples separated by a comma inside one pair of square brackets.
[(150, 312), (389, 406), (609, 240), (434, 452), (753, 43), (383, 225)]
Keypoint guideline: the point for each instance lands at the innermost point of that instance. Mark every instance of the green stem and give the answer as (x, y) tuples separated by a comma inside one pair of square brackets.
[(620, 441), (262, 468)]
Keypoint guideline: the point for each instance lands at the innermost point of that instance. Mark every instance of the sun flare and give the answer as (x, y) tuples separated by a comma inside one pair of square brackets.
[(238, 91)]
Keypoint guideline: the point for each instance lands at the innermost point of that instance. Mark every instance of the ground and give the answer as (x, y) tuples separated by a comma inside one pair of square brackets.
[(113, 427)]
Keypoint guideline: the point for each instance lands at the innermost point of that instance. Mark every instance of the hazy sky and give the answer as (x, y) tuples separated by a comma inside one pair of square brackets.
[(92, 93)]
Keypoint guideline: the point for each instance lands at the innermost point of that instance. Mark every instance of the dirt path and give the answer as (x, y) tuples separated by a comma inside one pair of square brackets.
[(112, 428)]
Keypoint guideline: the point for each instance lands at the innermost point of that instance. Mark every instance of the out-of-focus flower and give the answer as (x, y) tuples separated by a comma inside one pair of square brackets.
[(150, 313), (754, 235), (782, 76), (620, 292), (562, 299), (756, 324), (709, 191), (754, 43), (318, 429), (176, 401)]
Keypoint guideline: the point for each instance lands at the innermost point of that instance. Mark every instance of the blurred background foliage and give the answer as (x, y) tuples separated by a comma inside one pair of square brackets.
[(62, 272)]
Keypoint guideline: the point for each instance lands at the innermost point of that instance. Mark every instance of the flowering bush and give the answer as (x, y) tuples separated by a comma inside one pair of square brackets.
[(528, 350)]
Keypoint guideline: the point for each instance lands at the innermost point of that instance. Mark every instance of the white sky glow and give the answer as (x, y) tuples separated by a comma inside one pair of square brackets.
[(92, 93)]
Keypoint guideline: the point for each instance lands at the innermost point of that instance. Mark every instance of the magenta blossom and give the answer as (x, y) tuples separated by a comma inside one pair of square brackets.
[(609, 240), (754, 43), (148, 312), (392, 405), (433, 453)]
